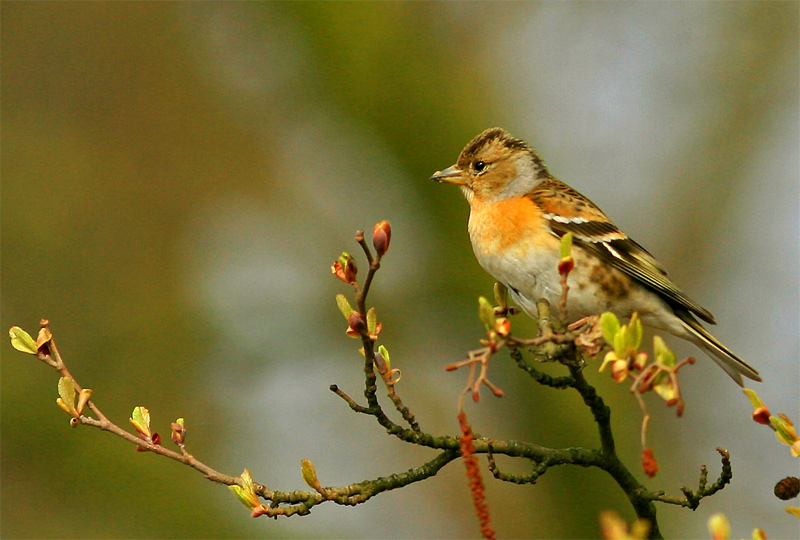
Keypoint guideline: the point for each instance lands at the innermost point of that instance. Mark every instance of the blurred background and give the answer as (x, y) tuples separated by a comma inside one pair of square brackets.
[(178, 177)]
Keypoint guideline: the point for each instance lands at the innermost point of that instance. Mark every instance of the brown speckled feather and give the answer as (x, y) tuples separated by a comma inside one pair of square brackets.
[(566, 210)]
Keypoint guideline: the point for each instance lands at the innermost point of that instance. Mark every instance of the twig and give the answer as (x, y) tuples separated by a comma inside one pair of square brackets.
[(692, 499)]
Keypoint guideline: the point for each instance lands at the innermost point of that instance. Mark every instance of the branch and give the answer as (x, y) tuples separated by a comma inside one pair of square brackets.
[(692, 499), (565, 347)]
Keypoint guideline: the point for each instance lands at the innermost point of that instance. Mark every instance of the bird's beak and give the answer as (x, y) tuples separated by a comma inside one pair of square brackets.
[(451, 175)]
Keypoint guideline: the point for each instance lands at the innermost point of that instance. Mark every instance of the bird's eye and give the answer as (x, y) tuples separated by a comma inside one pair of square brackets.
[(479, 166)]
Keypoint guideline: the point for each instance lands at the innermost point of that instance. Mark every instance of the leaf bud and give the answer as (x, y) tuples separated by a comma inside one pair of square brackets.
[(381, 236), (356, 324)]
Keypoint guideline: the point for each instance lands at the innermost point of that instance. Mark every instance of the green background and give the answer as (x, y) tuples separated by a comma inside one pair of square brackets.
[(178, 177)]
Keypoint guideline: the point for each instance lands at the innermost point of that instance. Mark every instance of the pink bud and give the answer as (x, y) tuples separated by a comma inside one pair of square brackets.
[(356, 324), (380, 363), (381, 236)]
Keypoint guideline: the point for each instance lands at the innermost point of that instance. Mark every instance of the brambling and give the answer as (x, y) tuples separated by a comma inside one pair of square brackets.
[(519, 212)]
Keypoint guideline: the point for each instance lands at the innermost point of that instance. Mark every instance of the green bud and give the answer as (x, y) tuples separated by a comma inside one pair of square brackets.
[(309, 474), (486, 313)]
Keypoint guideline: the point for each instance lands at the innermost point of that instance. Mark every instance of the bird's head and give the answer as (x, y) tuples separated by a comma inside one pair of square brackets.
[(494, 166)]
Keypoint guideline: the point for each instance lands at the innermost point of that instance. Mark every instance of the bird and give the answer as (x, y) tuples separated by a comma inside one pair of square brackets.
[(518, 214)]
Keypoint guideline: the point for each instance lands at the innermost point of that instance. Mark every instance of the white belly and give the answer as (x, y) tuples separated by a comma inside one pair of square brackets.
[(533, 274)]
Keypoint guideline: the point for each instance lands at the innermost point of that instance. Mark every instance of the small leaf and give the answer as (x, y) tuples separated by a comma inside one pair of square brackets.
[(486, 313), (385, 354), (664, 354), (610, 325), (21, 340), (620, 339), (309, 474), (635, 332), (755, 401), (247, 481), (66, 391), (501, 295), (247, 491), (372, 321), (611, 357), (665, 389), (66, 408), (83, 399), (141, 421), (566, 245), (44, 336), (640, 360), (344, 305), (784, 431), (243, 496)]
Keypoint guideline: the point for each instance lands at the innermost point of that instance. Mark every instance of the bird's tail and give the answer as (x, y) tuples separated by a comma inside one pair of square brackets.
[(723, 356)]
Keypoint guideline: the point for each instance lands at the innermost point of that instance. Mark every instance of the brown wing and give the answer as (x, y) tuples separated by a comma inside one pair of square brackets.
[(566, 210)]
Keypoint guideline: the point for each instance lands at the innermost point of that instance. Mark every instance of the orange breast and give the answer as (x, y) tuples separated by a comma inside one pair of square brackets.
[(508, 224)]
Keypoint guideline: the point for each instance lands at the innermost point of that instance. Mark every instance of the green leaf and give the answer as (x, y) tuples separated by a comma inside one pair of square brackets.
[(486, 313), (309, 473), (755, 401), (247, 491), (501, 294), (43, 337), (610, 325), (247, 481), (665, 390), (245, 497), (782, 432), (385, 353), (66, 390), (566, 245), (141, 420), (344, 305), (635, 332), (21, 340), (372, 321), (664, 354), (610, 357), (620, 340), (662, 385)]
